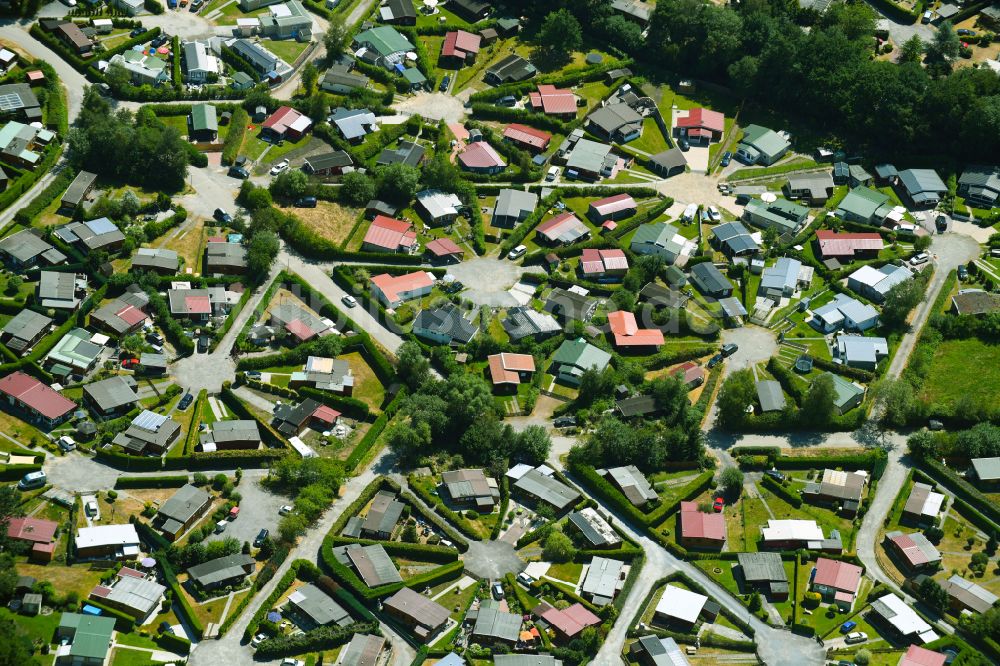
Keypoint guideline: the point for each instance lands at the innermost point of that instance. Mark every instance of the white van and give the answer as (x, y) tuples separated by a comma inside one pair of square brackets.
[(32, 480), (553, 172), (690, 212), (220, 527), (517, 252)]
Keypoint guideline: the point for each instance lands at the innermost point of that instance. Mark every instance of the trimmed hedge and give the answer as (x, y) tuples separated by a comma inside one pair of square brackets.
[(279, 589), (15, 472), (364, 447), (438, 505), (170, 578), (52, 191), (234, 139), (965, 492), (782, 492), (321, 638), (173, 643), (504, 504), (175, 481), (124, 622)]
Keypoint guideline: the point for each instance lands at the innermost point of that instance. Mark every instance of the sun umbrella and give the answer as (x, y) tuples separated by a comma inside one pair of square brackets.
[(274, 616), (148, 562), (164, 50)]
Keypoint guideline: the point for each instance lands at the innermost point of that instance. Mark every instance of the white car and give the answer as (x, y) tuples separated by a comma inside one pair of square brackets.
[(553, 172), (257, 640), (349, 301), (714, 214), (292, 662), (517, 252), (285, 510), (279, 167), (856, 637), (919, 259)]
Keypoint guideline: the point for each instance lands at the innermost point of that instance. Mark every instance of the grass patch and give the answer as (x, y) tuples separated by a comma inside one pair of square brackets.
[(288, 50), (569, 572), (329, 220), (963, 358), (652, 140), (367, 387)]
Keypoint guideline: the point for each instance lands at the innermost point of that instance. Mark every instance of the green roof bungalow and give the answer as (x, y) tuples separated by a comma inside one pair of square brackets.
[(864, 205), (781, 215), (761, 145), (88, 639), (848, 395), (204, 123), (415, 78), (242, 81), (383, 45), (675, 277), (574, 357)]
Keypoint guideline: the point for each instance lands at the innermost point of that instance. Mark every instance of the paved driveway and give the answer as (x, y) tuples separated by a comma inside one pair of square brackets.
[(489, 280), (434, 106), (756, 345), (258, 509)]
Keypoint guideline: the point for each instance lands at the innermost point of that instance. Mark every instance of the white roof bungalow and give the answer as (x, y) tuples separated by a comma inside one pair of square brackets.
[(678, 604), (875, 283), (903, 619), (857, 351), (844, 312)]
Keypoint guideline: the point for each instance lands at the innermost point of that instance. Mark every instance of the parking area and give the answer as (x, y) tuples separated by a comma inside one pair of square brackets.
[(258, 509)]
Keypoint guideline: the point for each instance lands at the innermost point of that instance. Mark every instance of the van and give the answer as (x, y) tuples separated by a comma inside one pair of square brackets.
[(220, 527), (906, 229), (926, 18), (690, 212), (32, 480), (91, 508), (553, 172), (66, 443), (918, 259), (234, 513), (517, 252)]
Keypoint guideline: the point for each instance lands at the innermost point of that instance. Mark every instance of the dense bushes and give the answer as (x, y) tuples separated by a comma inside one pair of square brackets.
[(322, 638), (781, 491), (362, 449), (51, 192), (173, 643), (151, 481), (963, 490), (303, 569), (234, 139)]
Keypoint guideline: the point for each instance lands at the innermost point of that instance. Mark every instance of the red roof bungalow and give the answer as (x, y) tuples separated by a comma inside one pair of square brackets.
[(553, 101), (567, 623), (460, 46), (616, 207), (627, 333), (918, 656), (299, 330), (603, 263), (837, 581), (481, 157), (32, 530), (702, 126), (44, 405), (528, 137), (690, 373), (699, 529), (36, 77), (286, 123), (510, 369), (325, 417), (913, 551), (836, 245), (43, 552), (392, 290), (389, 235), (444, 249)]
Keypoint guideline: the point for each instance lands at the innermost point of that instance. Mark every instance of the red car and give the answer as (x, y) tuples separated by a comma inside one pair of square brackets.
[(719, 503), (130, 363)]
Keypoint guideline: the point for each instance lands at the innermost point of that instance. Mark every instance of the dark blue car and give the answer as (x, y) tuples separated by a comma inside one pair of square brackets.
[(727, 157)]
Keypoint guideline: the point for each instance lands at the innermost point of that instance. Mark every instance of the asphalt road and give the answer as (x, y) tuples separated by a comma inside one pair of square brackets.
[(258, 509)]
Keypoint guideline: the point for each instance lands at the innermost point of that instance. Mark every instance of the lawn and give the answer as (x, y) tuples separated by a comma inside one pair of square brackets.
[(38, 627), (569, 572), (652, 140), (743, 522), (187, 241), (328, 220), (963, 358), (367, 387), (288, 50), (79, 578)]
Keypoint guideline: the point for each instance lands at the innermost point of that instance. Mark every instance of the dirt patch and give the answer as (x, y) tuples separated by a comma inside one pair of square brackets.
[(187, 242), (329, 220)]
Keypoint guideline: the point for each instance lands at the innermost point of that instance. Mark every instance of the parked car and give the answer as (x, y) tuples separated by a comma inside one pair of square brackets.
[(154, 338), (685, 146), (222, 216), (349, 301), (719, 504), (963, 273), (238, 172), (714, 361), (729, 348), (919, 259), (965, 32), (261, 537), (935, 425), (253, 374), (525, 579), (497, 591), (285, 510), (856, 637), (942, 223), (848, 626), (185, 402), (926, 18), (136, 32), (257, 640), (507, 100), (288, 661), (159, 41), (775, 474), (91, 508), (220, 526), (714, 214), (517, 252), (444, 83), (552, 173), (234, 513), (67, 444), (727, 157), (564, 422), (279, 168), (32, 480), (306, 202)]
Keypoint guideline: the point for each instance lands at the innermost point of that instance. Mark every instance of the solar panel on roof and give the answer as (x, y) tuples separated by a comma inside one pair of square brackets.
[(10, 102), (148, 420)]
